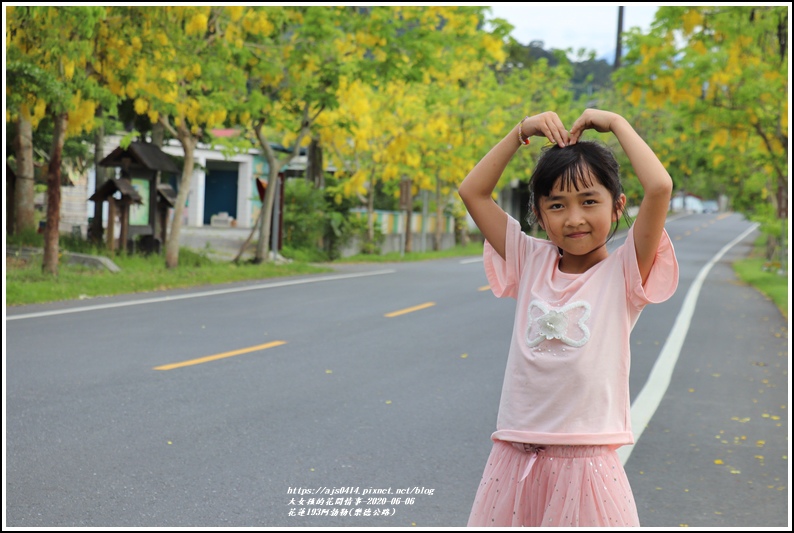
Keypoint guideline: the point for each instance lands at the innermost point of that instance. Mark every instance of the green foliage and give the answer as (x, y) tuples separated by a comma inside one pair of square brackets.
[(67, 242), (342, 227), (305, 217), (190, 258), (28, 238), (304, 255), (707, 85), (340, 230), (31, 79), (316, 227)]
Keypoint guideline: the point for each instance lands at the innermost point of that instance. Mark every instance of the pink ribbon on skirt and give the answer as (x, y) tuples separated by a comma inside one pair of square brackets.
[(531, 449)]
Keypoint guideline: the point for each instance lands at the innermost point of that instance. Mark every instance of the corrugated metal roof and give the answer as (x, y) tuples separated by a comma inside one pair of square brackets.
[(146, 155)]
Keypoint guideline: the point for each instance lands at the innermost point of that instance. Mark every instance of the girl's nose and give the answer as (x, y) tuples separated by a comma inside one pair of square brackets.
[(575, 217)]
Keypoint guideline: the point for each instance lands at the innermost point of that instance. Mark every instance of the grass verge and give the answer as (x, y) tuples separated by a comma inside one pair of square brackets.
[(26, 284), (756, 272)]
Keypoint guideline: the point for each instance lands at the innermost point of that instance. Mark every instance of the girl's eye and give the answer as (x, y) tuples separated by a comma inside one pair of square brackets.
[(589, 202), (555, 206)]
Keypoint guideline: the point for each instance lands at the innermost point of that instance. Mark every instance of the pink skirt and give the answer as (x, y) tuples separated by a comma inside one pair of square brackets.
[(547, 486)]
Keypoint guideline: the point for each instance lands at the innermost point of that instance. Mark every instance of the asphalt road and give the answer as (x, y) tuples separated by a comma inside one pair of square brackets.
[(366, 398)]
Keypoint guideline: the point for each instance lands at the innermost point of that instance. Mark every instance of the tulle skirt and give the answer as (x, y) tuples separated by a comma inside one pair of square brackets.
[(548, 486)]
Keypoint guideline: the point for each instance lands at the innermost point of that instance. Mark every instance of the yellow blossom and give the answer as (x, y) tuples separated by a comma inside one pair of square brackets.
[(141, 106), (68, 69), (197, 24)]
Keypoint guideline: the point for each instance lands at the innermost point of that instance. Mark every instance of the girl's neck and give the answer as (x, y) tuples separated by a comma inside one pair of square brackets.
[(579, 264)]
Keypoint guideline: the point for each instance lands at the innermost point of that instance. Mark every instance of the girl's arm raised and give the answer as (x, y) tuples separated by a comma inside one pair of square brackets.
[(656, 182), (477, 187)]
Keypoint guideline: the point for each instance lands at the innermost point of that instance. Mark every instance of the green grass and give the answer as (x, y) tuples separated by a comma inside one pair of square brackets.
[(26, 284), (756, 272)]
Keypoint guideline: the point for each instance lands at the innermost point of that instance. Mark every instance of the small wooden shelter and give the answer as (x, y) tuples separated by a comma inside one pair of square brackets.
[(142, 165), (129, 196), (166, 199)]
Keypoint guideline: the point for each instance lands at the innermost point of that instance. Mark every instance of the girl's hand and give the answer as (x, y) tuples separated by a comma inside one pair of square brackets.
[(547, 125), (593, 119)]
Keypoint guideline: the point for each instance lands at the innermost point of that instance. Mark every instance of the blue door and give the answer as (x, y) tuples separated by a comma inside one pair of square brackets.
[(220, 194)]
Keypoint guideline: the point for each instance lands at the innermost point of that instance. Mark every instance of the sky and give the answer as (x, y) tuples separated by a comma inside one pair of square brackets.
[(592, 26)]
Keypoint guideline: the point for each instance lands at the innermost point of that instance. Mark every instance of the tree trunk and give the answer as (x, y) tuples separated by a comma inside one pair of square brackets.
[(314, 164), (24, 210), (158, 134), (250, 235), (100, 175), (263, 244), (439, 216), (266, 214), (371, 208), (409, 203), (161, 219), (51, 230), (782, 213), (11, 183), (408, 232), (172, 246)]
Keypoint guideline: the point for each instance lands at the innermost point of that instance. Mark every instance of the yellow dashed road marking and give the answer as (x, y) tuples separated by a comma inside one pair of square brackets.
[(410, 309), (223, 355)]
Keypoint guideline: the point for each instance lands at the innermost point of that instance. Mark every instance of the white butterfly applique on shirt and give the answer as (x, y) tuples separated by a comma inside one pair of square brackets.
[(566, 324)]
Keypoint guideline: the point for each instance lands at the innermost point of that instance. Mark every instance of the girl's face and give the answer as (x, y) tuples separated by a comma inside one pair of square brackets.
[(579, 222)]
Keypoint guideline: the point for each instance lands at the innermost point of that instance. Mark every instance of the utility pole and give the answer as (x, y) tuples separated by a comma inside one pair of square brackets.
[(618, 51)]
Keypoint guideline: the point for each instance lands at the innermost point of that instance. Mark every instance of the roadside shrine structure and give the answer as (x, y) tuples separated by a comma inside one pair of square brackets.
[(145, 202), (129, 196)]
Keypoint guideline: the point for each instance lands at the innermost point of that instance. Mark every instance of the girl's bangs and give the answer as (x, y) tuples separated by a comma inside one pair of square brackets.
[(576, 177)]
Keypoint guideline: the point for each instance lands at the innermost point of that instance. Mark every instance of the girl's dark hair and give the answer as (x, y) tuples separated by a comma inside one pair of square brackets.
[(574, 165)]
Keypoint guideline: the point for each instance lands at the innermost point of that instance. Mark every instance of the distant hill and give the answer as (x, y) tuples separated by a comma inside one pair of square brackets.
[(588, 76)]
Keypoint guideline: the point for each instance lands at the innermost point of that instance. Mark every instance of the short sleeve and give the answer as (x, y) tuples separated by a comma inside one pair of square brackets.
[(663, 278), (504, 274)]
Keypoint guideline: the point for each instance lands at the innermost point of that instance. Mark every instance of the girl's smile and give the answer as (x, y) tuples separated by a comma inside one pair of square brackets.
[(579, 222)]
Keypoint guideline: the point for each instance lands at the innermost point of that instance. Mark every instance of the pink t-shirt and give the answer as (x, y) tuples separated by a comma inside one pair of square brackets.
[(567, 375)]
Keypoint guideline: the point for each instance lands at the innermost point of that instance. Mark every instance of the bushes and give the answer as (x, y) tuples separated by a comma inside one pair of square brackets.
[(304, 214), (316, 228)]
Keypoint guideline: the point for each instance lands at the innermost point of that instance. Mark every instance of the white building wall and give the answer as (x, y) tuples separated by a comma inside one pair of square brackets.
[(203, 155), (244, 192), (195, 200)]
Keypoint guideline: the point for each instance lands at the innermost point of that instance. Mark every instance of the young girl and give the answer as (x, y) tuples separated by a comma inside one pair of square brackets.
[(565, 405)]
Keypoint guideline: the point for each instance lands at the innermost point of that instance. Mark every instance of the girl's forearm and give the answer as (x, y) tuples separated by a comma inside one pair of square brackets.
[(482, 179), (651, 174)]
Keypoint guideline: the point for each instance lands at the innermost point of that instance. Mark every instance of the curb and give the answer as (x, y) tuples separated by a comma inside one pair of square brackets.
[(93, 261)]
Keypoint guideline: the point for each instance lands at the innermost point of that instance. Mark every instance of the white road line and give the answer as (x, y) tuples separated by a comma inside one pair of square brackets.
[(197, 294), (467, 261), (655, 388)]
